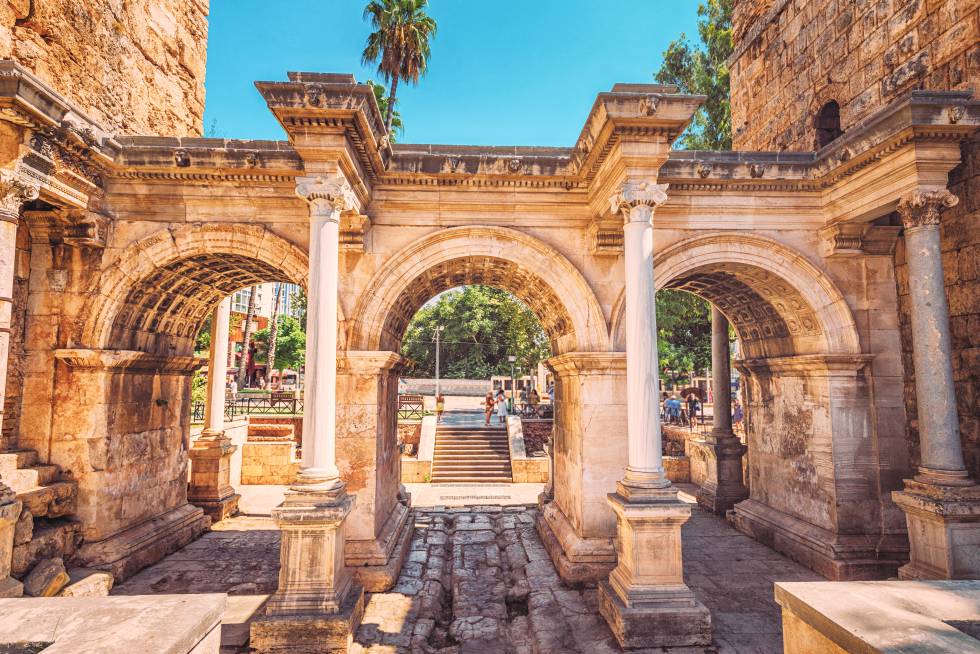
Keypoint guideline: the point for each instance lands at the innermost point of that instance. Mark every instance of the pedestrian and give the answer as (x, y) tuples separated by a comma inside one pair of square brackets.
[(692, 407), (675, 409), (488, 405), (234, 389), (534, 400), (440, 407), (501, 407), (738, 415)]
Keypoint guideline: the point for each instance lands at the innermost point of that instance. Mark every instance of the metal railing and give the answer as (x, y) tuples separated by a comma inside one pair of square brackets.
[(245, 406)]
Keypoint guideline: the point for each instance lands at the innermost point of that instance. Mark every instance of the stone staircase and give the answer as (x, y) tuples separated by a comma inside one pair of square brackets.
[(44, 529), (466, 454)]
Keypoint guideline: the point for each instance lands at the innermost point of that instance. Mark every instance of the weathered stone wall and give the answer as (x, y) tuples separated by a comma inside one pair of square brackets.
[(791, 57), (136, 67)]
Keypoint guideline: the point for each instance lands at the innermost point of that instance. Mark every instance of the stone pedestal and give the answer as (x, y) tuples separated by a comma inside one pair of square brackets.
[(316, 608), (723, 487), (10, 508), (645, 600), (944, 530), (210, 486)]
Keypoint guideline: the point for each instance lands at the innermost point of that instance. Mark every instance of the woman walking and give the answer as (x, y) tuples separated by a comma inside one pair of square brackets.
[(488, 405), (501, 407)]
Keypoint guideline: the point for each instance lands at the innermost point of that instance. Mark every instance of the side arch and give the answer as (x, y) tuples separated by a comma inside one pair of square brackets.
[(496, 256), (155, 293), (777, 300)]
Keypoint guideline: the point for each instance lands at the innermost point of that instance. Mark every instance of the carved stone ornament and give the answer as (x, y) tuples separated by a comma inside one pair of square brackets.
[(181, 158), (314, 96), (14, 192), (756, 171), (328, 196), (635, 194), (956, 114), (703, 169), (90, 230), (920, 209), (251, 160), (514, 165), (648, 105)]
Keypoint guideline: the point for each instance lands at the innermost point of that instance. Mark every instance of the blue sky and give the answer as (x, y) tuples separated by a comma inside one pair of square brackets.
[(508, 72)]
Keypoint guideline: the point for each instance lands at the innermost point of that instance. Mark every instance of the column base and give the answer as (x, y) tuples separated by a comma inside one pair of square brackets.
[(650, 625), (10, 587), (580, 562), (210, 475), (944, 530), (838, 557), (309, 634), (218, 510), (377, 563), (723, 487), (127, 552)]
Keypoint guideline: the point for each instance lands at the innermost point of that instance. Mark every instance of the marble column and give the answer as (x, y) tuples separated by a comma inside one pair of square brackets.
[(317, 607), (210, 485), (723, 487), (14, 192), (645, 600), (942, 502)]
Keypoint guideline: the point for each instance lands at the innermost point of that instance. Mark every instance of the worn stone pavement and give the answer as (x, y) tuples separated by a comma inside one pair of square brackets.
[(479, 580)]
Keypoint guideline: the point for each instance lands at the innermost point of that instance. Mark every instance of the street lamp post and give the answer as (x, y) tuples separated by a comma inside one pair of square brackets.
[(513, 387), (438, 338)]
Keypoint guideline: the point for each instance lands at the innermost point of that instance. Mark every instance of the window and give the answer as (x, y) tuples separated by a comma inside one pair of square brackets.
[(828, 124)]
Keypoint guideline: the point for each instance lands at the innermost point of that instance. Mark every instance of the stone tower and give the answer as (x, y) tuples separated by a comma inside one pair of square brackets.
[(806, 71)]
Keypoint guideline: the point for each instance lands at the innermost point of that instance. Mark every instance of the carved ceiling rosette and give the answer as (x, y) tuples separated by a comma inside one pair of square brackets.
[(923, 208)]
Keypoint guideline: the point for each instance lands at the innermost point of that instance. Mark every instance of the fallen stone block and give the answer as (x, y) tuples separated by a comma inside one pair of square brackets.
[(24, 529), (85, 582), (46, 579)]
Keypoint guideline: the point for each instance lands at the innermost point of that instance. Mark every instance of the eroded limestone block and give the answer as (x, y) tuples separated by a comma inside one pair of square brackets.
[(46, 579), (24, 529), (85, 582)]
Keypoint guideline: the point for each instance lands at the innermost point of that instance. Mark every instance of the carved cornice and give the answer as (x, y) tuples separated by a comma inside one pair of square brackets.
[(921, 209), (587, 363), (806, 365), (128, 360)]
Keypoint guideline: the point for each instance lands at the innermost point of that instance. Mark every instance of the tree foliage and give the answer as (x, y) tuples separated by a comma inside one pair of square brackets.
[(482, 326), (397, 126), (702, 69), (399, 43), (683, 332), (290, 344)]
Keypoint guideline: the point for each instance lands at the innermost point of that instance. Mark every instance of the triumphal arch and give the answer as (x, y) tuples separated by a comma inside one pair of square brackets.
[(128, 243)]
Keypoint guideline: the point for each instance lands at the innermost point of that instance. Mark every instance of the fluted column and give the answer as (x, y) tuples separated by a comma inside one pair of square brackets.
[(724, 485), (942, 502), (218, 369), (637, 202), (317, 606), (210, 479), (645, 601), (939, 426), (327, 197), (14, 192)]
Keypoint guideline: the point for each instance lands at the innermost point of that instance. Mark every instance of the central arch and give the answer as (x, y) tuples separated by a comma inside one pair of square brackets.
[(505, 258)]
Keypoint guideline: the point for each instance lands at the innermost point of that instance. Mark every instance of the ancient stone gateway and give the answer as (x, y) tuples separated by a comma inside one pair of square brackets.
[(126, 243)]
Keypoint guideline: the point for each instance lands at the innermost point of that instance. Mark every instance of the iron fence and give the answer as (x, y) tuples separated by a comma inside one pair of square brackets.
[(245, 406)]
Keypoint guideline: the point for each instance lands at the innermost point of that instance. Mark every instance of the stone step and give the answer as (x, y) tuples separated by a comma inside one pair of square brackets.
[(442, 466), (471, 480), (52, 538), (52, 500), (505, 469), (32, 477), (494, 456), (15, 459), (465, 441)]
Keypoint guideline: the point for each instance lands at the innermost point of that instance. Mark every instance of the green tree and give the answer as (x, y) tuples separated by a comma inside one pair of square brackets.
[(482, 327), (397, 126), (683, 332), (247, 336), (290, 344), (399, 44), (702, 69)]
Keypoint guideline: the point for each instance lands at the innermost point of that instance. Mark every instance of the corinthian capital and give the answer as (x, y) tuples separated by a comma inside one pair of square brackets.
[(15, 191), (328, 196), (920, 208), (635, 194)]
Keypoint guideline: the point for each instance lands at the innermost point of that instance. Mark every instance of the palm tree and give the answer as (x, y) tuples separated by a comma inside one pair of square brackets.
[(247, 335), (273, 332), (399, 44)]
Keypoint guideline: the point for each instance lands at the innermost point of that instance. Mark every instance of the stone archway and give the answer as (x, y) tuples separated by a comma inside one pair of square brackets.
[(810, 401), (496, 256), (122, 421)]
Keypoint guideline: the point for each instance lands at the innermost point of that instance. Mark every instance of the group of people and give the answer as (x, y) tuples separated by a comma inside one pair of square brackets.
[(676, 412), (496, 404)]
